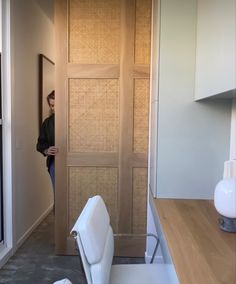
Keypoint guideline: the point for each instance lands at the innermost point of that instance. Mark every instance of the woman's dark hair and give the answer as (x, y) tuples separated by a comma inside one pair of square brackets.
[(51, 96)]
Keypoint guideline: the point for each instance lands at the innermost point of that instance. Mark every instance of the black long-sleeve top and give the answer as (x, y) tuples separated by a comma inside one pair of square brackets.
[(46, 137)]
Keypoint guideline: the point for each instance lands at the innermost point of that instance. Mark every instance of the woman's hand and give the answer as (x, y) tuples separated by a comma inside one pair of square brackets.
[(51, 151)]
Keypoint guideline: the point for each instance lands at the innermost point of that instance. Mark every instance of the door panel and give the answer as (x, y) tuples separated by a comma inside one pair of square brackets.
[(102, 98), (142, 31), (87, 181), (139, 200), (93, 115), (94, 31), (141, 113)]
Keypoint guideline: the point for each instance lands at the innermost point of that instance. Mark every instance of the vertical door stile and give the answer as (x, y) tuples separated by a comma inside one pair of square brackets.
[(126, 115), (61, 90)]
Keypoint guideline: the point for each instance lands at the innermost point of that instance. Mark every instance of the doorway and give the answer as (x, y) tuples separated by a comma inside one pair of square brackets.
[(1, 164), (102, 86)]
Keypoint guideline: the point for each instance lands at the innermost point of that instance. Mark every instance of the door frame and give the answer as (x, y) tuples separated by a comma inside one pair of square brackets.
[(7, 130)]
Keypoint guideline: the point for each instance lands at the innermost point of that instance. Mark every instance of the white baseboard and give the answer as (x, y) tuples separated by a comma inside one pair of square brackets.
[(32, 228), (157, 258), (5, 254)]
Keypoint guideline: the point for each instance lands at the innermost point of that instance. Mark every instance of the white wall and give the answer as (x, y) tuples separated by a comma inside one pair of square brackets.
[(32, 33), (1, 117), (193, 137), (1, 26)]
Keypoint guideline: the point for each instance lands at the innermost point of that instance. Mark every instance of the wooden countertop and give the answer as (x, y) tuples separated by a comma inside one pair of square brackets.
[(201, 252)]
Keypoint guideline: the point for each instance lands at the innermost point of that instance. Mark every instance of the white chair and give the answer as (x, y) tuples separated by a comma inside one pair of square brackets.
[(95, 241)]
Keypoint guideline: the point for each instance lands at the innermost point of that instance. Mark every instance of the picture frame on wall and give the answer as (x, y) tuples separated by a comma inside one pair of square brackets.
[(46, 85)]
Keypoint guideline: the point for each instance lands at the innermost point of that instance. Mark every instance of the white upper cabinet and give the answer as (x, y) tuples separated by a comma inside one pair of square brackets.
[(216, 49)]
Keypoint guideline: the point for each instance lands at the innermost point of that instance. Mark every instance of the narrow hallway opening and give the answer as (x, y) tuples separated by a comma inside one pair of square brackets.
[(36, 261)]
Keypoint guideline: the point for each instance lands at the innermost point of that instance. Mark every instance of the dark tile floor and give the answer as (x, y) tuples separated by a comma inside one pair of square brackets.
[(36, 263)]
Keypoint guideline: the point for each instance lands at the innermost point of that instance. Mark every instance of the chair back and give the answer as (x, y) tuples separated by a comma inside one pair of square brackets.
[(94, 237)]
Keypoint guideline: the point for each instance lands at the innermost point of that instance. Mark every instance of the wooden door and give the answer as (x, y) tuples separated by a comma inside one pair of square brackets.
[(102, 102)]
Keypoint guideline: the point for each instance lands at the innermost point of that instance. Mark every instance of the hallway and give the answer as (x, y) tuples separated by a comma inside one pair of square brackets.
[(35, 262)]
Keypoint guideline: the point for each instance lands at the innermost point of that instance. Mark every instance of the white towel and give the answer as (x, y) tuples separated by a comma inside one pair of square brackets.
[(230, 169), (63, 281)]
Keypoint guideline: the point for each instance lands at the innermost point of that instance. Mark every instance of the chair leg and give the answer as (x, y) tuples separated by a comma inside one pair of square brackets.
[(81, 263)]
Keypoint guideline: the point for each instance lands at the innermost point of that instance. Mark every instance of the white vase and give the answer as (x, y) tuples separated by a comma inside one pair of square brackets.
[(225, 203)]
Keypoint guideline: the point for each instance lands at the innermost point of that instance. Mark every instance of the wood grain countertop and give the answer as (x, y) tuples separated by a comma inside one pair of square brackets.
[(201, 252)]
